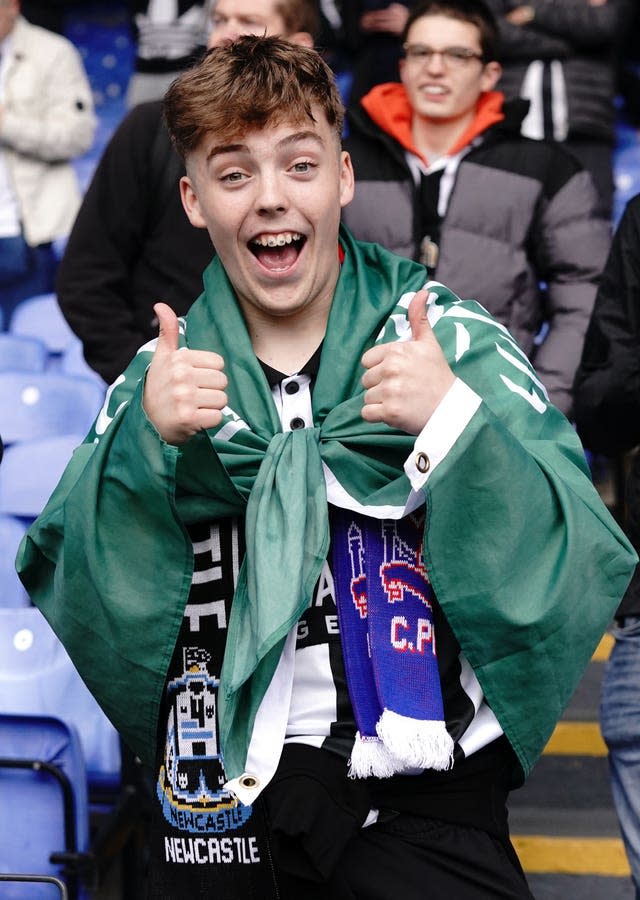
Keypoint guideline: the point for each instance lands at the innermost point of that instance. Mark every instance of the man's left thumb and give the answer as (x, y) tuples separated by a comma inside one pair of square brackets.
[(418, 320)]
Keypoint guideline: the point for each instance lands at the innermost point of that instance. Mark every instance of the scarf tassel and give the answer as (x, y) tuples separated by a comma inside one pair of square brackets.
[(419, 743), (370, 757)]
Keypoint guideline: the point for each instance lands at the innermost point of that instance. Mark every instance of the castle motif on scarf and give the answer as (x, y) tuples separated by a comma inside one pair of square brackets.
[(401, 572)]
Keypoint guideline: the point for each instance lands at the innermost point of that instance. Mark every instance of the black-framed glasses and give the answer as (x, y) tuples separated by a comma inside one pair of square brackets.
[(452, 57)]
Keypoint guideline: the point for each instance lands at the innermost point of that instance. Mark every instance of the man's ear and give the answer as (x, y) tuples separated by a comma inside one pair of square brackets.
[(347, 179), (491, 75), (302, 39), (190, 202)]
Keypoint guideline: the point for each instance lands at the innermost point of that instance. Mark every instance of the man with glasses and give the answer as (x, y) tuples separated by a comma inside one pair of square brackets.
[(444, 176)]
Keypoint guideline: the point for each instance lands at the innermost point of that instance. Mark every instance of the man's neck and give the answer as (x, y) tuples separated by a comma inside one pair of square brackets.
[(287, 346), (435, 138)]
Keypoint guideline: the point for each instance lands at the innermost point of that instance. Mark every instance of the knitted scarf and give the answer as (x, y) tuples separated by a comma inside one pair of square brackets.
[(385, 607)]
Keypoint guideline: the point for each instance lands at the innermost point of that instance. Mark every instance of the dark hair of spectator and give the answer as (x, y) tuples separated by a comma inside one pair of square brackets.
[(474, 11)]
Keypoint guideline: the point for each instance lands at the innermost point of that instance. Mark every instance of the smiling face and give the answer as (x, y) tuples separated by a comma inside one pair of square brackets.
[(437, 90), (271, 200)]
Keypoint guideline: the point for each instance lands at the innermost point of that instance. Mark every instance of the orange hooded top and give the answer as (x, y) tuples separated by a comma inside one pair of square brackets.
[(388, 105)]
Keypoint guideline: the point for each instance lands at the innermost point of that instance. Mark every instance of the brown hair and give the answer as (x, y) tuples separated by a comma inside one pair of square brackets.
[(299, 15), (253, 82)]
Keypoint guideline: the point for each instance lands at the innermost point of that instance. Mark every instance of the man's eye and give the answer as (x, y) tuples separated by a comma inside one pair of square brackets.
[(303, 167), (458, 53), (232, 177)]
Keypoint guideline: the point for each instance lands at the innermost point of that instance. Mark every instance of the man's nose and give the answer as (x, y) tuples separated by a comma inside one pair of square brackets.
[(271, 195), (435, 62)]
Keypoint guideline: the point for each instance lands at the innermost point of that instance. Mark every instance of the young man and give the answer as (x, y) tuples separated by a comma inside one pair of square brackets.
[(505, 220), (294, 558), (131, 243)]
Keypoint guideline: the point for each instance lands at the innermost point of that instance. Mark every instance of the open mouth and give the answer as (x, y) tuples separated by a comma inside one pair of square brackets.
[(277, 252)]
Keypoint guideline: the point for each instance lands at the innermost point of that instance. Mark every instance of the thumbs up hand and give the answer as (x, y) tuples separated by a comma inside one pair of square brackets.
[(185, 389), (405, 381)]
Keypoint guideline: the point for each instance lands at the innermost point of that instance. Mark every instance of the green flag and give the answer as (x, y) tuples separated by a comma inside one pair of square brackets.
[(524, 558)]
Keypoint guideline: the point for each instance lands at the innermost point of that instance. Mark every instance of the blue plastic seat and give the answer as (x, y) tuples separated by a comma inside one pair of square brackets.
[(12, 593), (30, 471), (44, 807), (43, 404), (37, 677), (72, 362), (22, 354), (42, 318)]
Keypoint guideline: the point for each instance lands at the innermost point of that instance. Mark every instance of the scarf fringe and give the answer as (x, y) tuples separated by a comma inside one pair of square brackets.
[(370, 757), (424, 744)]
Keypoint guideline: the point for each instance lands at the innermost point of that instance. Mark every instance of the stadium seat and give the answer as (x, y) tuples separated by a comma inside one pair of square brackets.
[(41, 404), (22, 354), (30, 471), (41, 317), (44, 820), (37, 677), (12, 593), (72, 362)]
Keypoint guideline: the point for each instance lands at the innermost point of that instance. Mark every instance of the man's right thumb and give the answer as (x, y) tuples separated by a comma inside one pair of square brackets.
[(168, 338)]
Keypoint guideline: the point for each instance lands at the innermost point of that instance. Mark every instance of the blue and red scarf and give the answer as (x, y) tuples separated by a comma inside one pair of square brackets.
[(385, 609)]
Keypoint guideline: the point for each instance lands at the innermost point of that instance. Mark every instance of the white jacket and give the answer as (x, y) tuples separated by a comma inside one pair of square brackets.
[(46, 119)]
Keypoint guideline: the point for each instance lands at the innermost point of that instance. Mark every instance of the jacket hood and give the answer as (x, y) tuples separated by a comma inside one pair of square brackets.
[(388, 106)]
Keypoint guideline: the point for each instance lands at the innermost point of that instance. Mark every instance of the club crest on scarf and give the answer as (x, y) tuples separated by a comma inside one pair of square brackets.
[(385, 607)]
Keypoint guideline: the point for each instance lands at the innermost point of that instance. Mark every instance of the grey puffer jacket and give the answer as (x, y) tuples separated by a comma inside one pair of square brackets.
[(518, 235)]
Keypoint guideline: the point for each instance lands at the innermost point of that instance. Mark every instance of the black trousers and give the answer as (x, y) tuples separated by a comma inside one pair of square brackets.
[(439, 836), (413, 858)]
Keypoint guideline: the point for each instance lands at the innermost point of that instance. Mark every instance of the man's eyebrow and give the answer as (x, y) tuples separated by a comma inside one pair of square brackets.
[(220, 149), (301, 136)]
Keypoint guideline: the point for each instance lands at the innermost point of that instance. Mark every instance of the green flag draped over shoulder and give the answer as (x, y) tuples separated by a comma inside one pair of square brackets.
[(524, 558)]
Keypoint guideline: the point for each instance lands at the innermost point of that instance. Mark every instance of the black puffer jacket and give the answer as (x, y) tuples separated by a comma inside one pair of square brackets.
[(584, 38), (607, 386), (520, 212)]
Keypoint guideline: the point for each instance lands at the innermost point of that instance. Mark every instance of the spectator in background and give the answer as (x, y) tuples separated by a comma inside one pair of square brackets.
[(372, 32), (132, 243), (489, 212), (46, 119), (607, 412), (169, 35), (563, 56)]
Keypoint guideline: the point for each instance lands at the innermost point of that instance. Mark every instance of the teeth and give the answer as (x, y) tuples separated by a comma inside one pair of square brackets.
[(276, 240)]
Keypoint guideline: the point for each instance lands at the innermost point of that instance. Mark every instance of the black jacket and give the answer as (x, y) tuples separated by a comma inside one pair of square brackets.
[(585, 40), (131, 246), (607, 386)]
